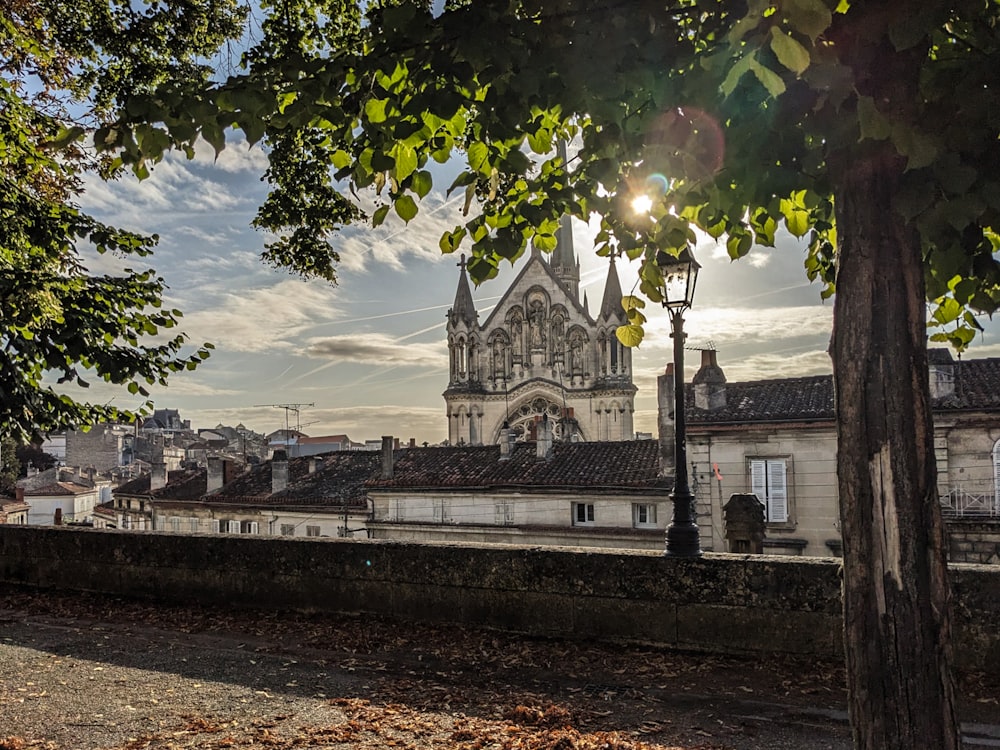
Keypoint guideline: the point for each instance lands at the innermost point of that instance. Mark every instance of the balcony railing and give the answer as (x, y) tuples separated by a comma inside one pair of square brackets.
[(971, 501)]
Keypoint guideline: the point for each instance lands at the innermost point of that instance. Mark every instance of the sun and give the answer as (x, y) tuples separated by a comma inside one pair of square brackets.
[(642, 205)]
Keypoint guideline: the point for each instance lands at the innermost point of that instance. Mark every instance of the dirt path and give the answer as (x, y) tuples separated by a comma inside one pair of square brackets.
[(89, 673)]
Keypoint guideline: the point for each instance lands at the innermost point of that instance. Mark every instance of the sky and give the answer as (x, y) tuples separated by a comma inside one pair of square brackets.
[(368, 357)]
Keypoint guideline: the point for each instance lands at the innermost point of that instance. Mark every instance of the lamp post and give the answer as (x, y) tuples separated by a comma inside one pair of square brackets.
[(679, 276)]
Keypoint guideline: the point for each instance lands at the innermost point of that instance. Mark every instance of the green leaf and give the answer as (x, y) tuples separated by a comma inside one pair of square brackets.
[(735, 74), (918, 148), (451, 240), (406, 208), (789, 52), (375, 110), (479, 156), (947, 311), (422, 183), (379, 215), (406, 161), (631, 302), (768, 78), (810, 17), (630, 335), (797, 220), (873, 124)]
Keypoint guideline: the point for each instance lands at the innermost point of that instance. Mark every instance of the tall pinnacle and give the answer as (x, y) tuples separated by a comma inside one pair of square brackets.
[(464, 308), (564, 264), (611, 306)]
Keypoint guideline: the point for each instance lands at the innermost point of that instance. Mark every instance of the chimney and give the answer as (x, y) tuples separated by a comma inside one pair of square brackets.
[(506, 444), (19, 494), (941, 372), (279, 471), (57, 519), (665, 420), (387, 446), (709, 383), (157, 476), (214, 480), (413, 442), (543, 443)]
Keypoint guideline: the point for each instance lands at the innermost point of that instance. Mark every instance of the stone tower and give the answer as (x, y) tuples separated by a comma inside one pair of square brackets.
[(540, 352)]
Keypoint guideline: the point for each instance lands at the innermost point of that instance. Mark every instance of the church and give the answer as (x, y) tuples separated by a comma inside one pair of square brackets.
[(540, 354)]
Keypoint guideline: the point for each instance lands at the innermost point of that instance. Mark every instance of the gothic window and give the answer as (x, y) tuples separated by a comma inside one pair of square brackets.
[(615, 351), (463, 357)]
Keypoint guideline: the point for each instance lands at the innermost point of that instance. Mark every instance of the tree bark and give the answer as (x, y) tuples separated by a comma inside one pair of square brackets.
[(896, 595)]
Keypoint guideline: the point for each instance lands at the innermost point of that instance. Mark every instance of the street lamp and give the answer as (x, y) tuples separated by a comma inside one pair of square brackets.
[(680, 273)]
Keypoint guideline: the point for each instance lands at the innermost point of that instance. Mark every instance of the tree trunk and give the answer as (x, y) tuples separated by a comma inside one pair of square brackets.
[(896, 596)]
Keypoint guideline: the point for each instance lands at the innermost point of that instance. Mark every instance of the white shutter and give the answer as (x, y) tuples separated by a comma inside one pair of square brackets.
[(996, 475), (758, 479), (777, 494), (254, 527)]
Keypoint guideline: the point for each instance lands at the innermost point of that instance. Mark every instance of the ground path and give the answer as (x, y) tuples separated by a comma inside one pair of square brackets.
[(80, 672)]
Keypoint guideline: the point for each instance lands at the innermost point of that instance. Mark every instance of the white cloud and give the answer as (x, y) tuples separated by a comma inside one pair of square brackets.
[(236, 157), (260, 319), (378, 349)]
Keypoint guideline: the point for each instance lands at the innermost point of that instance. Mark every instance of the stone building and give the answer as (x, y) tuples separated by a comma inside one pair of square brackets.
[(539, 352), (777, 439)]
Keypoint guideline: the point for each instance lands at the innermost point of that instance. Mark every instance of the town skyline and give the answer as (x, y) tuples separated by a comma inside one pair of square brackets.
[(370, 353)]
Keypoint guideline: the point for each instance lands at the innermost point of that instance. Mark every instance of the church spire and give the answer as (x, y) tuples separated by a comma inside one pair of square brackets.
[(464, 308), (611, 306), (564, 264)]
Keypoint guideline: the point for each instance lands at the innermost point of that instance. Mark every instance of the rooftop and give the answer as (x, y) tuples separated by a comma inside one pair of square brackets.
[(976, 387)]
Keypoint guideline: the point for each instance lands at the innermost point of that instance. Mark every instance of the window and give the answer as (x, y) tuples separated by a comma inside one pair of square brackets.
[(441, 514), (175, 524), (503, 514), (249, 527), (193, 522), (312, 530), (288, 529), (229, 527), (583, 514), (644, 515), (768, 482)]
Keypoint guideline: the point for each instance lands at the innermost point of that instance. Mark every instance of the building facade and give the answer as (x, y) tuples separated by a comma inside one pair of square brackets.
[(539, 352), (777, 439)]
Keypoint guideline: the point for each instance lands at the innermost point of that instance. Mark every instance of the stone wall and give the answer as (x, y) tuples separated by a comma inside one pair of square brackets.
[(974, 541), (719, 603), (100, 447)]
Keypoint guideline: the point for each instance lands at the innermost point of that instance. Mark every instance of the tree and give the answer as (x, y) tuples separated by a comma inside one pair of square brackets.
[(33, 455), (870, 128), (64, 67), (10, 466)]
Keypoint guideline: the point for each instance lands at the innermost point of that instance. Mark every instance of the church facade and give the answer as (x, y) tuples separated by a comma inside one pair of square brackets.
[(539, 354)]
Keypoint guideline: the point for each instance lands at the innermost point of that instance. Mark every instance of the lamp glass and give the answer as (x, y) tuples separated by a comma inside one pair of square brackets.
[(679, 276)]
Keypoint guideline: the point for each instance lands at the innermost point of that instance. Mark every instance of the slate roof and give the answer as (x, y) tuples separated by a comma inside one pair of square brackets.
[(58, 488), (977, 388), (632, 464), (338, 479), (345, 477), (788, 399), (140, 485)]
